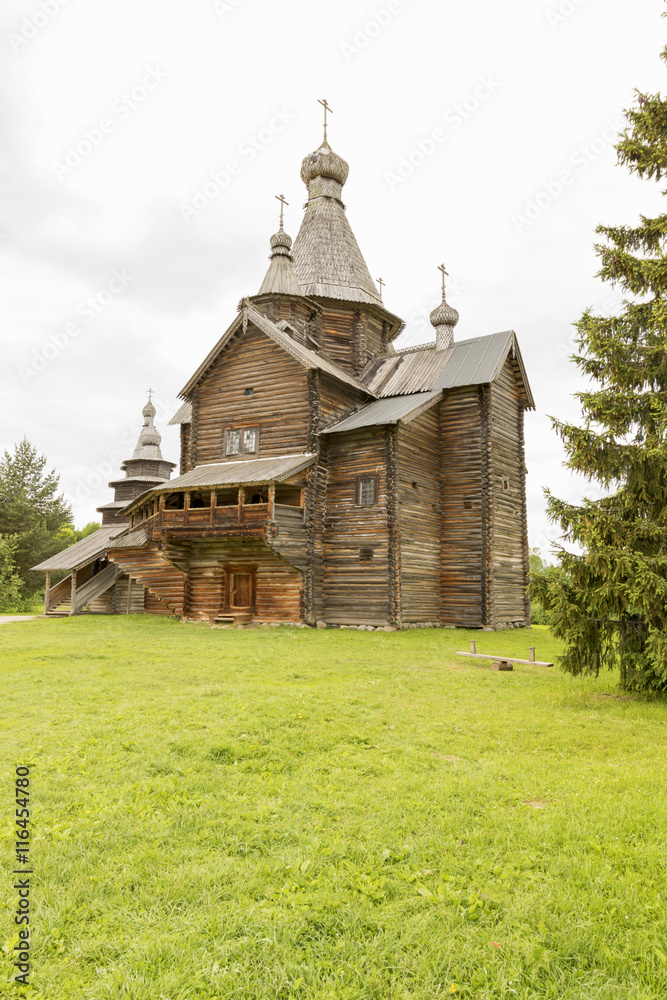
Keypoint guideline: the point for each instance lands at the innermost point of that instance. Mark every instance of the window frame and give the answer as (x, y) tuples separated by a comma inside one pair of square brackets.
[(241, 448), (376, 490)]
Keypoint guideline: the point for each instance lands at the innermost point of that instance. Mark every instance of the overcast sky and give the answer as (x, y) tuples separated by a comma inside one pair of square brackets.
[(144, 141)]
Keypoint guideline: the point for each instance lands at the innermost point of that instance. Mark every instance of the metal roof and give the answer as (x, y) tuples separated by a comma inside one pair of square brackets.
[(409, 371), (306, 357), (245, 473), (468, 362), (387, 411), (132, 540), (477, 361), (183, 415), (83, 552)]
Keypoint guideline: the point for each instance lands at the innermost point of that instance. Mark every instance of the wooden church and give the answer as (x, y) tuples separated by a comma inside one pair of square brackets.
[(327, 476)]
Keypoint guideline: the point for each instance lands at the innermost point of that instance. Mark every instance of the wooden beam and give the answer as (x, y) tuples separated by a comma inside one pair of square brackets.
[(47, 591), (73, 593), (510, 659)]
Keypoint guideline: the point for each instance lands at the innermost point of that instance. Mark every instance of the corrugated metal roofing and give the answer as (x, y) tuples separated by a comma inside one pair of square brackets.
[(406, 372), (132, 540), (386, 411), (245, 473), (183, 415), (306, 357), (469, 362), (83, 552)]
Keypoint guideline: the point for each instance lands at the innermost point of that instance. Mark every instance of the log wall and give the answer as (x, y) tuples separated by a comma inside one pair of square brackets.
[(508, 497), (419, 517), (355, 589), (463, 460), (279, 405)]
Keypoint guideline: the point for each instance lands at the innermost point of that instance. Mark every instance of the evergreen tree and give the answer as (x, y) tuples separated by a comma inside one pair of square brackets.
[(30, 511), (610, 603), (10, 582)]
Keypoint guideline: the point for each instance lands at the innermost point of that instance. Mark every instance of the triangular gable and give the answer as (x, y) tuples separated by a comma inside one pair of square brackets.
[(305, 357), (480, 360)]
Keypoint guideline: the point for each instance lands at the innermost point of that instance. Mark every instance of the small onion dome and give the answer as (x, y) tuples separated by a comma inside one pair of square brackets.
[(281, 243), (444, 315), (444, 318), (148, 445), (324, 163)]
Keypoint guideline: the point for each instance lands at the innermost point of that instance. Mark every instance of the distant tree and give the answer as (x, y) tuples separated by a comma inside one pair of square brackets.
[(10, 581), (610, 606), (31, 512), (69, 535)]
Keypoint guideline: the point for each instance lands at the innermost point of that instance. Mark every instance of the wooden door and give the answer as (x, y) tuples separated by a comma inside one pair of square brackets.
[(240, 588), (239, 591)]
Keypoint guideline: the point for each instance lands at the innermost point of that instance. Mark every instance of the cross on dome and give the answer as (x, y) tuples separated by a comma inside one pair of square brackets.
[(283, 202), (326, 107)]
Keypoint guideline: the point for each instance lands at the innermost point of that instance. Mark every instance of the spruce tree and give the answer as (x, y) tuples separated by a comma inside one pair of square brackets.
[(610, 602)]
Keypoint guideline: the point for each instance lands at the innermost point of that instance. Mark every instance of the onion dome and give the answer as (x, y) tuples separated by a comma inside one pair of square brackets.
[(324, 163), (280, 278), (444, 318), (148, 445)]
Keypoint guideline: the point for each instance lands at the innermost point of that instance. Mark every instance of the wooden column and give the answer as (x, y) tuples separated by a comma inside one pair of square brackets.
[(129, 593), (161, 506), (214, 501), (186, 507), (47, 591), (73, 593), (241, 503), (272, 503)]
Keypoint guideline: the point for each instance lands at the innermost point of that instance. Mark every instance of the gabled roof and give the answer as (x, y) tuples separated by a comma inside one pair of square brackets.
[(468, 362), (387, 411), (305, 357), (84, 551)]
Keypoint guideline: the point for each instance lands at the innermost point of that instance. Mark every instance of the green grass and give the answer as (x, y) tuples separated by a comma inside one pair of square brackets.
[(286, 813)]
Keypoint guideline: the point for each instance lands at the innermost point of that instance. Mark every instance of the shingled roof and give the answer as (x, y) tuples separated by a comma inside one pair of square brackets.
[(327, 258)]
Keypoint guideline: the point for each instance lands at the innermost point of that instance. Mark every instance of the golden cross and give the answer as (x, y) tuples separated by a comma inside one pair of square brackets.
[(281, 199), (326, 108), (444, 272), (381, 283)]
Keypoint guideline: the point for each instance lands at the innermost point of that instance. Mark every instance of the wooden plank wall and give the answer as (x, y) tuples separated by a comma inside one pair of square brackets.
[(419, 517), (338, 400), (279, 404), (355, 591), (351, 336), (185, 449), (509, 541), (463, 554)]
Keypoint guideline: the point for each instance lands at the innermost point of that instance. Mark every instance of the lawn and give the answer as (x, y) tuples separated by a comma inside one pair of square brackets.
[(286, 813)]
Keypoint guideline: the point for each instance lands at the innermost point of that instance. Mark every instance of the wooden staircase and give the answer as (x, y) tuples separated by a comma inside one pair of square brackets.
[(58, 603), (149, 567)]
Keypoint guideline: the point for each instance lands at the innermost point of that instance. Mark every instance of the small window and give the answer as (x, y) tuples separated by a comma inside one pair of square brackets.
[(233, 442), (366, 554), (250, 392), (506, 483), (366, 489), (250, 440)]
